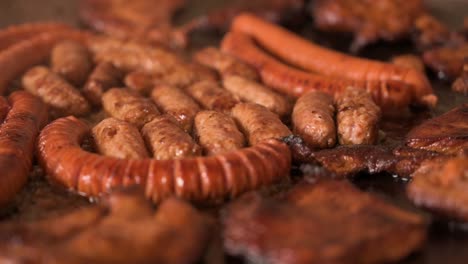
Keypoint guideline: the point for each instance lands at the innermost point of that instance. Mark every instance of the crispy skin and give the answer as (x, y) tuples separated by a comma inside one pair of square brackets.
[(313, 119), (125, 230), (217, 132), (176, 103), (357, 117), (259, 124), (369, 21), (119, 139), (461, 83), (409, 61), (104, 76), (447, 61), (429, 32), (224, 63), (253, 92), (72, 61), (211, 96), (55, 91), (128, 106), (447, 133), (167, 140), (307, 227), (440, 186)]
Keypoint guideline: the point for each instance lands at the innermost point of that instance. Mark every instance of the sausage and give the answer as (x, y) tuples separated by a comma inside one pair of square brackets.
[(72, 61), (119, 139), (211, 96), (102, 78), (196, 179), (55, 91), (390, 95), (139, 81), (176, 103), (17, 141), (258, 123), (128, 106), (217, 132), (409, 61), (167, 140), (225, 64), (312, 57), (313, 119), (357, 118), (253, 92)]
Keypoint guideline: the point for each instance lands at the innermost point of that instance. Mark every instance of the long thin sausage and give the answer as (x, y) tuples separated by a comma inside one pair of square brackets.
[(307, 55), (199, 178), (211, 96), (294, 82), (72, 61), (17, 141), (313, 119)]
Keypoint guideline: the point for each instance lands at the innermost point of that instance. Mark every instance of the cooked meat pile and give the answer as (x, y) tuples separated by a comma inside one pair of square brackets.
[(325, 222)]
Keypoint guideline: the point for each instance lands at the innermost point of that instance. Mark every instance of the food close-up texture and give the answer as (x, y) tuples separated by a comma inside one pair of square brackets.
[(284, 131)]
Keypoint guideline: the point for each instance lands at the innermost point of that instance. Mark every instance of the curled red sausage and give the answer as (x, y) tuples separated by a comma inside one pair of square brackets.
[(312, 57), (197, 178), (17, 138)]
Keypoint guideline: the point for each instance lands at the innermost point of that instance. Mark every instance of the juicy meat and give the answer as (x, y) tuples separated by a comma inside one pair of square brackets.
[(72, 61), (217, 133), (119, 139), (461, 83), (101, 79), (440, 185), (123, 230), (409, 61), (211, 96), (357, 117), (307, 227), (447, 133), (369, 21), (447, 61)]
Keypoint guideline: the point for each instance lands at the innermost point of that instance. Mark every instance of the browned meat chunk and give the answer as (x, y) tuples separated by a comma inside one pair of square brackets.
[(461, 83), (102, 78), (409, 61), (167, 140), (211, 96), (259, 124), (408, 160), (217, 133), (72, 61), (440, 185), (447, 133), (429, 32), (447, 61), (128, 106), (119, 139), (125, 230), (313, 119), (368, 20), (55, 91), (308, 227), (357, 117)]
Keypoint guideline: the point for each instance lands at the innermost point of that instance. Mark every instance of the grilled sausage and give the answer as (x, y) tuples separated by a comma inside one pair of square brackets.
[(167, 140), (217, 132), (128, 106), (17, 140), (72, 61), (258, 123), (102, 78), (253, 92), (211, 96), (199, 178), (119, 139), (409, 61), (55, 91), (357, 118), (313, 119), (176, 103), (139, 81)]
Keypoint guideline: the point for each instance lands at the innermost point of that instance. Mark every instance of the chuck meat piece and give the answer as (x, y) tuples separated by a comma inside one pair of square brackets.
[(307, 227)]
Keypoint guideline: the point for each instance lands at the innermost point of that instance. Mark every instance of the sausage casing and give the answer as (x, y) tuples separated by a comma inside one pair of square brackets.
[(357, 117), (253, 92), (313, 119), (72, 61), (55, 91), (101, 79), (167, 140), (176, 103), (128, 106), (139, 81), (211, 96), (258, 123), (217, 132), (119, 139)]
